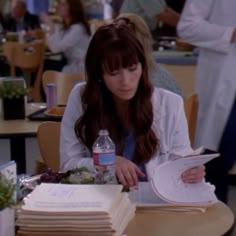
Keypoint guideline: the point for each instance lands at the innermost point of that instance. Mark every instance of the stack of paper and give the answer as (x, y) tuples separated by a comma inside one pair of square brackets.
[(59, 209), (167, 191)]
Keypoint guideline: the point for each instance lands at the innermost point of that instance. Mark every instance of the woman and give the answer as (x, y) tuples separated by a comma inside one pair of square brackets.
[(145, 123), (72, 39), (158, 75)]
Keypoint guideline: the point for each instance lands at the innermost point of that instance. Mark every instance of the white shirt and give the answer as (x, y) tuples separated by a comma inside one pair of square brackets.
[(73, 43), (169, 125)]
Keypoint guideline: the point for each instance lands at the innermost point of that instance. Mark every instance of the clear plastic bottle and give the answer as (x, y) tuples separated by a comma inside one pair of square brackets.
[(104, 158)]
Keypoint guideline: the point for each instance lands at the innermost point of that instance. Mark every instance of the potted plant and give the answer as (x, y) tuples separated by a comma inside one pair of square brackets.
[(13, 100), (7, 213)]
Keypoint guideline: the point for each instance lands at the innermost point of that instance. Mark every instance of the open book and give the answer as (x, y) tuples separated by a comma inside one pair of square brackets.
[(167, 190)]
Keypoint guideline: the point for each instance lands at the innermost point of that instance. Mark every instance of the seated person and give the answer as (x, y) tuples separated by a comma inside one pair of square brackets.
[(154, 12), (145, 123), (71, 39), (159, 76), (20, 19)]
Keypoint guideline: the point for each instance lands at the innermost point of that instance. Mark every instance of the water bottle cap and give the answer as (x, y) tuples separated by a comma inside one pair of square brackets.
[(103, 132), (51, 84)]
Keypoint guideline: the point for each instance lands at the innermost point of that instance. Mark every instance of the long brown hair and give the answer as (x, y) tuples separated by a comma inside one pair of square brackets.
[(77, 14), (113, 47)]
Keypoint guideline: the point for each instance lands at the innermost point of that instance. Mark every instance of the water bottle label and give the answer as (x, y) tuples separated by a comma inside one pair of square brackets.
[(104, 159)]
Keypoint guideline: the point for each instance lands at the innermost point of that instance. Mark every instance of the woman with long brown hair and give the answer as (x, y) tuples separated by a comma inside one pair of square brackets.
[(72, 38), (146, 123)]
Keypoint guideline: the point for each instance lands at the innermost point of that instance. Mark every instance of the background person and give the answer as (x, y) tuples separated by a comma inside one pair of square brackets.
[(154, 12), (211, 25), (20, 19), (71, 39)]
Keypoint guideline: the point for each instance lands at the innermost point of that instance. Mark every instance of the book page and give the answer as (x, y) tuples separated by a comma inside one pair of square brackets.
[(145, 199), (144, 195), (168, 185), (73, 198)]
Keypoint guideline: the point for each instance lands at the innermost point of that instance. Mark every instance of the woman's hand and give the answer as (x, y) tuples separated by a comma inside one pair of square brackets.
[(48, 25), (45, 18), (194, 175), (127, 172)]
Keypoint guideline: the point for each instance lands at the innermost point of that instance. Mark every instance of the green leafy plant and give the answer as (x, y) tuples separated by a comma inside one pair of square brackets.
[(9, 90), (7, 191)]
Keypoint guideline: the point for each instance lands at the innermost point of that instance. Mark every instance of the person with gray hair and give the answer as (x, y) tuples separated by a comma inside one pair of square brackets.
[(20, 19), (154, 12)]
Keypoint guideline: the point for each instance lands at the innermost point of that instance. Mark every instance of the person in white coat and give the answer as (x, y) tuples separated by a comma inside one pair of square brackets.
[(211, 25), (72, 38), (146, 124)]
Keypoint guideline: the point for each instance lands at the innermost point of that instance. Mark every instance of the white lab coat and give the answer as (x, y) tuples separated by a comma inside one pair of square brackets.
[(209, 24), (73, 44), (169, 125)]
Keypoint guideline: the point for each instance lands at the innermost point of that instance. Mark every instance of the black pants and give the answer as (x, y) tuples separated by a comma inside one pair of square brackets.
[(217, 169)]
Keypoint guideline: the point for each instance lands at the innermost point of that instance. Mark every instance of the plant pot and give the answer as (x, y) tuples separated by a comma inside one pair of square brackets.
[(7, 222), (13, 108)]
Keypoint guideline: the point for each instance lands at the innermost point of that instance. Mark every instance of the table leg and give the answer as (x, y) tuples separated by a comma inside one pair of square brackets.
[(18, 153)]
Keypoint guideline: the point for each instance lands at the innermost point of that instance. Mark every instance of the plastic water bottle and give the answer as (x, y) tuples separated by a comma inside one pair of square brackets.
[(104, 158)]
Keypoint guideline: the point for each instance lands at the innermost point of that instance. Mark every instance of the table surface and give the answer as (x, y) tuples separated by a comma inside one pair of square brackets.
[(217, 220), (21, 127)]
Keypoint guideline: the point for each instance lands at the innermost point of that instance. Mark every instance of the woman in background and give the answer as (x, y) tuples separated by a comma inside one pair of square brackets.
[(145, 123), (159, 76), (71, 39)]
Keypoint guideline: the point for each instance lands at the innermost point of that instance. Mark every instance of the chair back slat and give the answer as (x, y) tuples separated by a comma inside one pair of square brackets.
[(48, 135), (191, 109), (64, 83), (29, 57)]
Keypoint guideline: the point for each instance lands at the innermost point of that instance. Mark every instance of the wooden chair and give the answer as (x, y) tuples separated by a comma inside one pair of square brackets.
[(191, 109), (49, 141), (29, 57), (64, 83), (185, 76)]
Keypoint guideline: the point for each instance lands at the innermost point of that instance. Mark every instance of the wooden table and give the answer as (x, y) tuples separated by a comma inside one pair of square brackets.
[(217, 221), (16, 131)]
